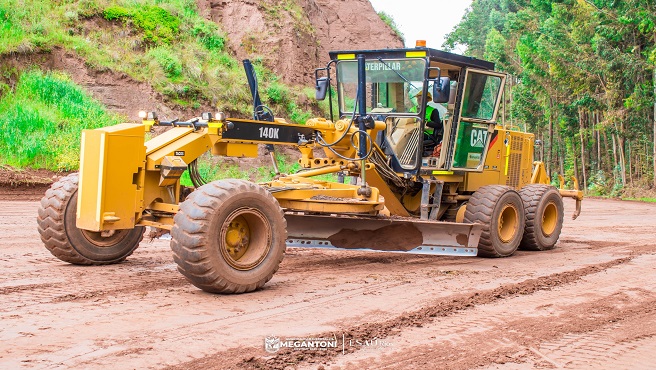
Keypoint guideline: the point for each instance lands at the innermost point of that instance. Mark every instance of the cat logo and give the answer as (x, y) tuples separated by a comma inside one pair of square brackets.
[(478, 138)]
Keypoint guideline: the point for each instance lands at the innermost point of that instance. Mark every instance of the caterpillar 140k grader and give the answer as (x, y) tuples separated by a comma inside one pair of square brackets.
[(458, 184)]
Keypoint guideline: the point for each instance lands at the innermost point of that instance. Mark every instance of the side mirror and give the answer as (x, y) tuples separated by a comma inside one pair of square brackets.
[(442, 90), (321, 88)]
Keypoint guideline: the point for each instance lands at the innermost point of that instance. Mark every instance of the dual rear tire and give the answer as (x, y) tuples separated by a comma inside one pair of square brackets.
[(544, 210), (529, 219)]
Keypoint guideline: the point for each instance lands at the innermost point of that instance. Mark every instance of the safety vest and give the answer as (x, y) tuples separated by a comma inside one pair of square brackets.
[(429, 112)]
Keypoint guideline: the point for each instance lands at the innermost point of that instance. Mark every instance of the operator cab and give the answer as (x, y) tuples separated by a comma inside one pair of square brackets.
[(402, 85)]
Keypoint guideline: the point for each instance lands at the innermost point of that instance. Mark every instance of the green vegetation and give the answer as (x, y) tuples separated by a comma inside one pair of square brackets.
[(392, 24), (167, 60), (648, 200), (280, 95), (157, 24), (212, 169), (583, 82), (167, 44), (42, 120)]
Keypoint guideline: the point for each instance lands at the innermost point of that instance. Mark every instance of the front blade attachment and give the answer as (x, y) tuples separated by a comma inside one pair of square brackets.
[(405, 235)]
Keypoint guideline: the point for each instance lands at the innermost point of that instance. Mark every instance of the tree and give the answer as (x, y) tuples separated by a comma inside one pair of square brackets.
[(586, 70)]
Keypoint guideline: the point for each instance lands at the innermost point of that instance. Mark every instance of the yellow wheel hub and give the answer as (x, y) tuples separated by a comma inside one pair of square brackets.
[(549, 219), (237, 237), (245, 238), (507, 223)]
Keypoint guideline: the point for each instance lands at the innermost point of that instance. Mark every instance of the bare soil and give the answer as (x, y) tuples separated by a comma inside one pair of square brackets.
[(294, 44), (26, 184), (109, 87), (589, 303)]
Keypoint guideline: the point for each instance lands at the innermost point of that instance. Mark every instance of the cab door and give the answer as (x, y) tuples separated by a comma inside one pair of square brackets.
[(479, 106)]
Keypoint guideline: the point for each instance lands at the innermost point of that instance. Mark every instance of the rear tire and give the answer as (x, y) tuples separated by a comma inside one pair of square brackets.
[(544, 210), (501, 212), (229, 237), (59, 233)]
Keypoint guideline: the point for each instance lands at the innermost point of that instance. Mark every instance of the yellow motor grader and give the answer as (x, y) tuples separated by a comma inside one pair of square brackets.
[(431, 170)]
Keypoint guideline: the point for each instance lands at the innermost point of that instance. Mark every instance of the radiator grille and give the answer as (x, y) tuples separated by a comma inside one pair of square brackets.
[(516, 143), (515, 161)]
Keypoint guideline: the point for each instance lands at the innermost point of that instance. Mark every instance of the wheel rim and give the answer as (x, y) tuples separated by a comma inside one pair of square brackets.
[(549, 219), (507, 223), (105, 238), (245, 238), (460, 215)]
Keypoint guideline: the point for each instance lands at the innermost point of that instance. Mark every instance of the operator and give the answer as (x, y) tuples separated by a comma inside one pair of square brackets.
[(434, 129)]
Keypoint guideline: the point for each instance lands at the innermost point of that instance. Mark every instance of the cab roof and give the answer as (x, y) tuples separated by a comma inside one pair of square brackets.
[(434, 55)]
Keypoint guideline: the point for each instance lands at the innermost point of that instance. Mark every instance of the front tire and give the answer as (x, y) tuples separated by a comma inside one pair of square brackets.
[(544, 217), (501, 212), (60, 235), (229, 237)]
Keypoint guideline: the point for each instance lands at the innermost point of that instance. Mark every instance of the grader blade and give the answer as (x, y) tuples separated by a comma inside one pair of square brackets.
[(382, 234)]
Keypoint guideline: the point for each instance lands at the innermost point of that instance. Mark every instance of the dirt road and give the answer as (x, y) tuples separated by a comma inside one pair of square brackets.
[(590, 303)]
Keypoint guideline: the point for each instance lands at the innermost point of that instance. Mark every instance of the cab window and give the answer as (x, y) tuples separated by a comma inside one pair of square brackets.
[(391, 84), (482, 91)]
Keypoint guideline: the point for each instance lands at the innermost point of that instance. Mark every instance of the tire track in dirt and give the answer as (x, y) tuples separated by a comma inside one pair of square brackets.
[(621, 311), (28, 287), (603, 347), (237, 321), (441, 308), (68, 283), (482, 349), (21, 297), (170, 326), (280, 308)]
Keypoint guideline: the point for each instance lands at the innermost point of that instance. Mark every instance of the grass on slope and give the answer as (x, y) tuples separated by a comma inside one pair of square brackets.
[(42, 119), (167, 44)]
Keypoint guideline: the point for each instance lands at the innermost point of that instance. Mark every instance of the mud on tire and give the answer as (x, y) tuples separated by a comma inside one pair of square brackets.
[(501, 212), (544, 211), (56, 225), (229, 237)]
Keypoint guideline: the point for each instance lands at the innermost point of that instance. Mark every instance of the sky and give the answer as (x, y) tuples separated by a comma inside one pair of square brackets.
[(429, 20)]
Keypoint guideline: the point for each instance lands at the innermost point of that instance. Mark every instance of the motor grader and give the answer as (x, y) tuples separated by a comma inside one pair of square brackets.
[(476, 192)]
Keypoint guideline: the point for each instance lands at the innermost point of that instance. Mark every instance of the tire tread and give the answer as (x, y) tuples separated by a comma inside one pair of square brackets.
[(189, 242), (531, 196), (51, 223), (480, 209)]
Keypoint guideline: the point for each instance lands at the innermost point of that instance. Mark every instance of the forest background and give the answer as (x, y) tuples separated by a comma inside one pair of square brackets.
[(583, 81)]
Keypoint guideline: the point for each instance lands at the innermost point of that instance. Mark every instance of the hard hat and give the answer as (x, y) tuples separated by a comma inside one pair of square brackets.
[(428, 94)]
